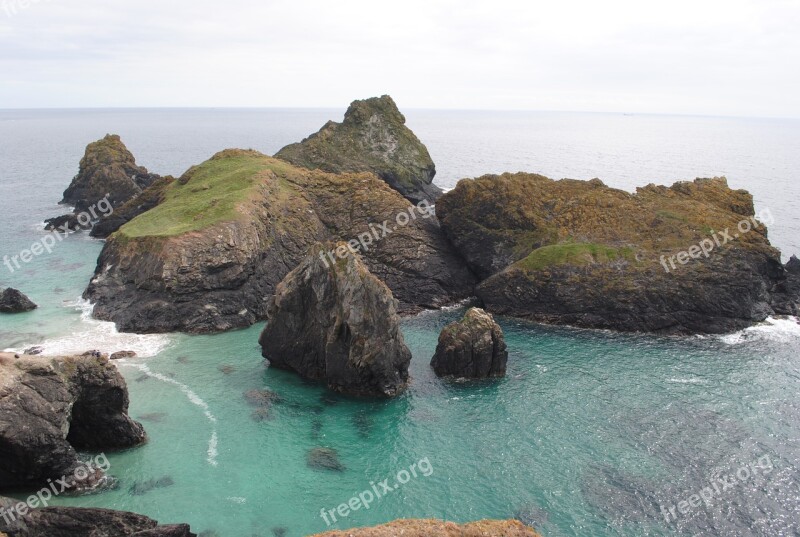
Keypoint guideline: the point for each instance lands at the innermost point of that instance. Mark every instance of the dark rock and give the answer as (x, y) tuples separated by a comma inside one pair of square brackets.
[(337, 323), (107, 169), (122, 354), (473, 347), (323, 458), (149, 198), (32, 351), (13, 301), (372, 138), (580, 253), (49, 408), (178, 267), (65, 222), (261, 398), (83, 522), (279, 531)]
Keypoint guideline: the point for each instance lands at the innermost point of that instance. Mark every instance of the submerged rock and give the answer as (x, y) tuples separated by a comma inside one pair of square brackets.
[(13, 301), (473, 347), (323, 458), (143, 487), (337, 323), (107, 169), (372, 138), (81, 522), (207, 257), (51, 407), (438, 528), (690, 258)]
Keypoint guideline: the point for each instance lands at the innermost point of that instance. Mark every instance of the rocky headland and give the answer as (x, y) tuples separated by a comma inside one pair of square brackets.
[(373, 137), (439, 528), (208, 257), (473, 347), (52, 407), (335, 322), (583, 254)]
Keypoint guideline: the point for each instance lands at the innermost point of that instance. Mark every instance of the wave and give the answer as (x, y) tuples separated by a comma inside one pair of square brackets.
[(192, 396), (779, 329), (101, 335)]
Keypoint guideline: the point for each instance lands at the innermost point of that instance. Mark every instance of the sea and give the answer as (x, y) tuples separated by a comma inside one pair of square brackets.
[(591, 433)]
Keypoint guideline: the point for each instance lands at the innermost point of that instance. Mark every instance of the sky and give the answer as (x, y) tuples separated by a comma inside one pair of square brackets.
[(700, 57)]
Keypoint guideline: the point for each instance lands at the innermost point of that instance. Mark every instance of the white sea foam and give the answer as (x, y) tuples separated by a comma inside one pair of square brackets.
[(100, 335), (192, 396), (783, 330), (688, 381)]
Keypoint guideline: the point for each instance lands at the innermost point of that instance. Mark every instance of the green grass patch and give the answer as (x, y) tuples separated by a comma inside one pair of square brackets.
[(206, 195), (578, 254)]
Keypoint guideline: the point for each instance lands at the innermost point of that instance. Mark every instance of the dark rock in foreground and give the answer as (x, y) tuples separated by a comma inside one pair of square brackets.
[(439, 528), (107, 168), (372, 138), (82, 522), (51, 407), (13, 301), (335, 322), (690, 258), (473, 347)]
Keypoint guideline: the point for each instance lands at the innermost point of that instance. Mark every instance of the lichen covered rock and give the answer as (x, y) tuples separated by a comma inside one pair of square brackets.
[(335, 322), (473, 347), (372, 138), (51, 407), (581, 253), (107, 168)]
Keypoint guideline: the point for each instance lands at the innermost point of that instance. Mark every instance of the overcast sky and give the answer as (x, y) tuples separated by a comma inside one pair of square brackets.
[(710, 57)]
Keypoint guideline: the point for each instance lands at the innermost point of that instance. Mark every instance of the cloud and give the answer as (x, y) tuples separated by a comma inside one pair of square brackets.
[(735, 57)]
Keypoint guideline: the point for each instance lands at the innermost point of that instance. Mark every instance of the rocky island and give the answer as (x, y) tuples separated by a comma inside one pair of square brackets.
[(690, 258), (336, 322), (473, 347)]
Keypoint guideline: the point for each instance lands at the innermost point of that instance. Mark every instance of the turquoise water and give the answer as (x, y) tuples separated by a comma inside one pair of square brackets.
[(588, 435)]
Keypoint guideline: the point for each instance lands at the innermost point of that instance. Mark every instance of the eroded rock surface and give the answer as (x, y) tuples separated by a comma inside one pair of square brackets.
[(472, 347), (336, 322), (372, 138)]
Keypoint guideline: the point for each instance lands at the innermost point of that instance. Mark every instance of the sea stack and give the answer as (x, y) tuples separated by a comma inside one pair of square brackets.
[(372, 138), (473, 347), (52, 407), (14, 301), (331, 320)]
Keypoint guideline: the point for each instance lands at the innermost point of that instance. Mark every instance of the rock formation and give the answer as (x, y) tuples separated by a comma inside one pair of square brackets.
[(473, 347), (336, 322), (581, 253), (13, 301), (149, 198), (51, 407), (81, 522), (107, 168), (438, 528), (372, 138), (208, 257)]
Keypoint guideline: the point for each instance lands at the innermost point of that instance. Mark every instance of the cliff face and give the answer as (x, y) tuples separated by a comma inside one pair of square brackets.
[(372, 138), (438, 528), (333, 321), (107, 167), (581, 253), (208, 257), (51, 407), (149, 198)]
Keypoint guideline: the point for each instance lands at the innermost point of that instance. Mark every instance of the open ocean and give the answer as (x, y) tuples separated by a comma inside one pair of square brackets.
[(592, 433)]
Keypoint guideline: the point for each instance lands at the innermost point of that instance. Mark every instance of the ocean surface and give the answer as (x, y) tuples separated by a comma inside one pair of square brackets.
[(592, 433)]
